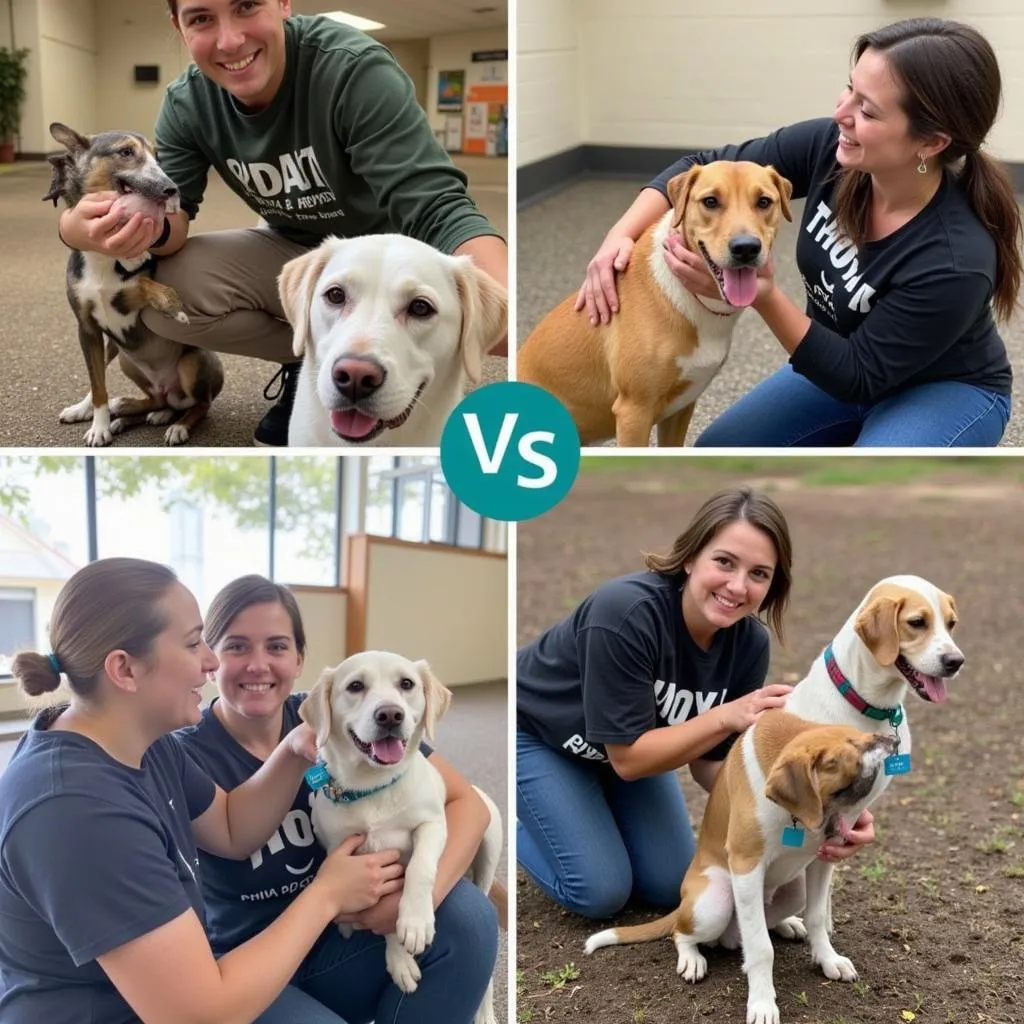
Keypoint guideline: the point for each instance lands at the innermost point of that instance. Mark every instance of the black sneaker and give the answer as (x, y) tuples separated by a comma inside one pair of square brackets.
[(272, 430)]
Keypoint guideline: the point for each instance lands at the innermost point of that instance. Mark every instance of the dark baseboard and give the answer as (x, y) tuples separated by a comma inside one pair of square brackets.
[(546, 177)]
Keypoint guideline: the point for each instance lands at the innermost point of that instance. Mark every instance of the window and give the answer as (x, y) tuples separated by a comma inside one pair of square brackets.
[(17, 624)]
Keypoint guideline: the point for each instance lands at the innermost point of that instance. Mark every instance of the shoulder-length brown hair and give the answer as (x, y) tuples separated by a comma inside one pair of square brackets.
[(949, 85), (740, 504)]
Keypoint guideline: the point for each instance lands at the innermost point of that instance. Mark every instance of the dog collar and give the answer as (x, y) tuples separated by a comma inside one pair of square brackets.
[(320, 780), (893, 715), (732, 312)]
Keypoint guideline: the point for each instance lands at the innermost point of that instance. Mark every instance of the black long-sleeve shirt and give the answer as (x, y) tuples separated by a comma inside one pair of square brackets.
[(911, 308)]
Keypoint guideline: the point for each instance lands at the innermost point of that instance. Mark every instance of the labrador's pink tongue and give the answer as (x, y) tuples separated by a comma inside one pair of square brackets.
[(388, 751), (740, 285), (352, 423)]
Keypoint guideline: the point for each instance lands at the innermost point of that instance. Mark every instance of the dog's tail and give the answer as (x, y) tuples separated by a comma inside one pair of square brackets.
[(659, 929)]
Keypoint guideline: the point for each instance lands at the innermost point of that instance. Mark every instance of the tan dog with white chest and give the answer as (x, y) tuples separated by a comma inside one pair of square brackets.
[(651, 362), (745, 879), (369, 715)]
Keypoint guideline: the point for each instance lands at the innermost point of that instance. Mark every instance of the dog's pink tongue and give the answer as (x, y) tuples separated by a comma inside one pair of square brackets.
[(352, 423), (740, 286), (935, 688), (388, 751)]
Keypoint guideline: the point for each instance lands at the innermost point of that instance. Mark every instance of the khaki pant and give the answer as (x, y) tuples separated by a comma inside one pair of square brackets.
[(227, 281)]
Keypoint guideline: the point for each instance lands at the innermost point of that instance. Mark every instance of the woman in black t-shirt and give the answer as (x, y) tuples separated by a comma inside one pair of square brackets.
[(653, 671)]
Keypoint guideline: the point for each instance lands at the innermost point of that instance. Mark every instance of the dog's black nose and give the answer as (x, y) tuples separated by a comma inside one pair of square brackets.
[(389, 715), (951, 663), (357, 378), (170, 192), (745, 248)]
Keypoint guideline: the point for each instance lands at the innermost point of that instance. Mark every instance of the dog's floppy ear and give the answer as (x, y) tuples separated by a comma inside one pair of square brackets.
[(785, 187), (60, 164), (484, 315), (793, 786), (295, 285), (877, 626), (436, 698), (315, 710), (679, 192)]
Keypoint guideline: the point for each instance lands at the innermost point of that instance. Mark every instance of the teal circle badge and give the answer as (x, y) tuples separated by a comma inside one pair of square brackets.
[(510, 451)]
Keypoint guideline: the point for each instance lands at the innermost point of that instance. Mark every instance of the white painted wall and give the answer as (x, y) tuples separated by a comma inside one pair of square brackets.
[(706, 72), (549, 79)]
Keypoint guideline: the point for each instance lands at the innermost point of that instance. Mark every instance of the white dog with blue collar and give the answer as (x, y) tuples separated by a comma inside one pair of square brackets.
[(371, 777)]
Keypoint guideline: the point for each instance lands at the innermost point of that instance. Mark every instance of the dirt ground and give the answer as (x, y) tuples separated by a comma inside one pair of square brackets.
[(932, 914)]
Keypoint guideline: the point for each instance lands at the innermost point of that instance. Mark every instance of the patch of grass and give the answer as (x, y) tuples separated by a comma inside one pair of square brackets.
[(558, 979), (995, 844), (1014, 871), (873, 872), (1017, 799), (861, 988), (801, 998)]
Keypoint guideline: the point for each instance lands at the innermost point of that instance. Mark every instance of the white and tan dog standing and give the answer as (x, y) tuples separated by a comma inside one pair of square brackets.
[(390, 330), (369, 715), (745, 878), (649, 365)]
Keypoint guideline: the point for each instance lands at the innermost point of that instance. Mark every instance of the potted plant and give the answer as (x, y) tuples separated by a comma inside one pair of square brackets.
[(12, 95)]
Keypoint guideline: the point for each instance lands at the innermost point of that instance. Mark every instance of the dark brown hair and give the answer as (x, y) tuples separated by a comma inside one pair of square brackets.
[(950, 85), (113, 604), (232, 599), (740, 504)]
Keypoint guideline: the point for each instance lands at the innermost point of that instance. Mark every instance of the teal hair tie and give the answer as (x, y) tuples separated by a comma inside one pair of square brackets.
[(54, 663)]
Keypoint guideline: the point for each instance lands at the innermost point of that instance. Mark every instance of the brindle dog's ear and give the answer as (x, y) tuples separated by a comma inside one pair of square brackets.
[(59, 166), (69, 138)]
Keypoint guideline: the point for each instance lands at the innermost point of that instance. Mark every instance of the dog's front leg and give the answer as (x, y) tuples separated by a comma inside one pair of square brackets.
[(94, 349), (415, 928), (758, 955), (819, 888)]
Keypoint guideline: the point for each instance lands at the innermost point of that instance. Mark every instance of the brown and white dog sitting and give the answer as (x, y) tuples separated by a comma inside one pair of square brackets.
[(369, 715), (106, 295), (651, 362), (745, 879)]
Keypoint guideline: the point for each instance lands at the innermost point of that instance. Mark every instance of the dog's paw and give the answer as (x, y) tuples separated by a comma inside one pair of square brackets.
[(182, 317), (77, 413), (118, 426), (834, 966), (98, 437), (178, 434), (415, 928), (402, 967), (792, 928), (346, 930), (762, 1011), (691, 966), (160, 417)]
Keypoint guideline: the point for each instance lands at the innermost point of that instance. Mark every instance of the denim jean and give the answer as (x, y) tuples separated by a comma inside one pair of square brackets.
[(344, 981), (787, 410), (591, 840)]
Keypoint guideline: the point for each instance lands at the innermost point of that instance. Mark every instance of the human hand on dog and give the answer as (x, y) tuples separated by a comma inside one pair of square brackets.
[(740, 714), (687, 266), (598, 293), (381, 918), (93, 225), (302, 741), (859, 834), (353, 882)]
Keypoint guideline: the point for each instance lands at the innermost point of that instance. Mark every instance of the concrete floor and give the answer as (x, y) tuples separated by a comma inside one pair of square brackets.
[(45, 369), (556, 238), (473, 736)]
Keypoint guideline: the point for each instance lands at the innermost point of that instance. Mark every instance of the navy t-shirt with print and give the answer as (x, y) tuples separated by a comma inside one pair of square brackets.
[(911, 308), (624, 663), (244, 896), (93, 854)]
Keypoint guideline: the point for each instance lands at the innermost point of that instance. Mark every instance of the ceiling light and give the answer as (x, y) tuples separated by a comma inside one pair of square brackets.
[(364, 24)]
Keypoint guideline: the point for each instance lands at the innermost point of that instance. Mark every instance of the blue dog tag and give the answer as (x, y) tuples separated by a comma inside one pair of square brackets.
[(897, 764), (317, 776), (792, 836)]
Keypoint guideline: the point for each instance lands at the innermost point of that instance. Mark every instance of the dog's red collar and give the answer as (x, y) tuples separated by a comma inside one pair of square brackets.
[(893, 715)]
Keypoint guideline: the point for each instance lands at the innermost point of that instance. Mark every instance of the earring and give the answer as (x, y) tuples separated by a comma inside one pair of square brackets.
[(922, 167)]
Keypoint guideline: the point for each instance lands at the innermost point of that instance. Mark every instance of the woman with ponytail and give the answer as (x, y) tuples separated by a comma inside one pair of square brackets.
[(909, 249), (102, 814)]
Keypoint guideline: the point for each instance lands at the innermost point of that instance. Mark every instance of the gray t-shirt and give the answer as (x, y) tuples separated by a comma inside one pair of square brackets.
[(93, 854), (624, 663)]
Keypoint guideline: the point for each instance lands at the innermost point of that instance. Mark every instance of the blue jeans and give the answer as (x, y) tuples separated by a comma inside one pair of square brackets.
[(591, 840), (787, 410), (344, 981)]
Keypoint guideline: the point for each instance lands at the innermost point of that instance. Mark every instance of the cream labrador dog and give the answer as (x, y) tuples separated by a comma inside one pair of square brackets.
[(390, 331), (369, 715)]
